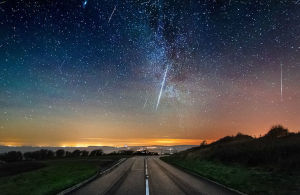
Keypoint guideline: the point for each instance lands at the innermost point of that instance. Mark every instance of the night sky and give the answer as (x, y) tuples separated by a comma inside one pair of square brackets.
[(137, 72)]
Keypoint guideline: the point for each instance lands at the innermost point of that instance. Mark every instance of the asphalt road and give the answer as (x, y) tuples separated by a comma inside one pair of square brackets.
[(162, 178)]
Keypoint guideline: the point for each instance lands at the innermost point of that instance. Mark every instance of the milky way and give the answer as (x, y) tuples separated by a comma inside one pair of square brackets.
[(146, 69)]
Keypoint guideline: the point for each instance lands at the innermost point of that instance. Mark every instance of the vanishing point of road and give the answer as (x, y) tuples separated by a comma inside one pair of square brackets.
[(150, 175)]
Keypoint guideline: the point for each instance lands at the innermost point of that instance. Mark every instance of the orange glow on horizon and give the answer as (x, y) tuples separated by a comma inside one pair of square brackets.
[(137, 142), (118, 143), (163, 140)]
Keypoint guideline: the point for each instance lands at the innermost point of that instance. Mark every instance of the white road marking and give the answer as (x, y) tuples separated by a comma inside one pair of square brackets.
[(146, 177)]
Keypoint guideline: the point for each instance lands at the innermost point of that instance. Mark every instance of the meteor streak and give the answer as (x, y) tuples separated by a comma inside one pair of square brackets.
[(281, 81), (162, 86), (145, 103), (112, 13), (84, 3)]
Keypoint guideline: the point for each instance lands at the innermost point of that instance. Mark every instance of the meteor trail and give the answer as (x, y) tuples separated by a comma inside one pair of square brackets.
[(60, 67), (162, 86), (281, 81), (84, 3), (145, 103), (112, 13)]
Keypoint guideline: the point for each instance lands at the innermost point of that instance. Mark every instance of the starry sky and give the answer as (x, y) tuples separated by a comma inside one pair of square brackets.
[(146, 72)]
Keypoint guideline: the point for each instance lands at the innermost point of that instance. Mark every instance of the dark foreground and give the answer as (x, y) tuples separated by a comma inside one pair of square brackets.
[(130, 178), (49, 176)]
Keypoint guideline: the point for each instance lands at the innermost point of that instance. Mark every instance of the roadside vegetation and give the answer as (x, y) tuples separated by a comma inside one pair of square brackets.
[(49, 172), (53, 177), (266, 165)]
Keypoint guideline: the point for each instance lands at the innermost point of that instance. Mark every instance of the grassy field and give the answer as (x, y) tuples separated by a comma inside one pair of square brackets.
[(244, 179), (54, 176)]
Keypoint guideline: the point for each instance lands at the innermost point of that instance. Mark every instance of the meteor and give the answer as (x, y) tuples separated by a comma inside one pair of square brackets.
[(162, 86), (145, 103), (281, 83), (112, 13), (84, 3)]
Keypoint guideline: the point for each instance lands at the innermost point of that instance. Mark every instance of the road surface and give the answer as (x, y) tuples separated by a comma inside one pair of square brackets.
[(150, 175)]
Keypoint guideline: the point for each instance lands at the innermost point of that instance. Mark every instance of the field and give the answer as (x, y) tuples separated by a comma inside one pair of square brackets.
[(51, 176)]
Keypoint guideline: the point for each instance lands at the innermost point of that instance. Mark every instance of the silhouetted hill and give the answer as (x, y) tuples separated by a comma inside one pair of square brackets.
[(277, 150)]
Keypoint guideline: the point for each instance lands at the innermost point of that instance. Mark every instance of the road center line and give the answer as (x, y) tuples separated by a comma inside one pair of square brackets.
[(146, 177)]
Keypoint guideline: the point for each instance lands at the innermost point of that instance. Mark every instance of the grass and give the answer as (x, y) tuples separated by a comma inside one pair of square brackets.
[(13, 168), (245, 179), (54, 177)]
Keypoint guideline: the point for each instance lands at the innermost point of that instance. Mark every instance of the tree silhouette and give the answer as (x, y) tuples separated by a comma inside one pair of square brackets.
[(277, 131), (68, 154), (76, 153), (98, 152), (11, 156), (60, 153), (84, 153)]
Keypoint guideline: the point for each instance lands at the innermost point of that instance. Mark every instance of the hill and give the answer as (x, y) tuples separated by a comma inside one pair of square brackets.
[(266, 165)]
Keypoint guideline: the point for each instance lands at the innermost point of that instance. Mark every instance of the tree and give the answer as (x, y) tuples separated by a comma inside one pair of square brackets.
[(277, 131), (84, 153), (60, 153), (28, 156), (76, 153), (44, 154), (11, 156), (98, 152), (113, 153), (126, 152), (68, 154), (50, 154), (203, 143)]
